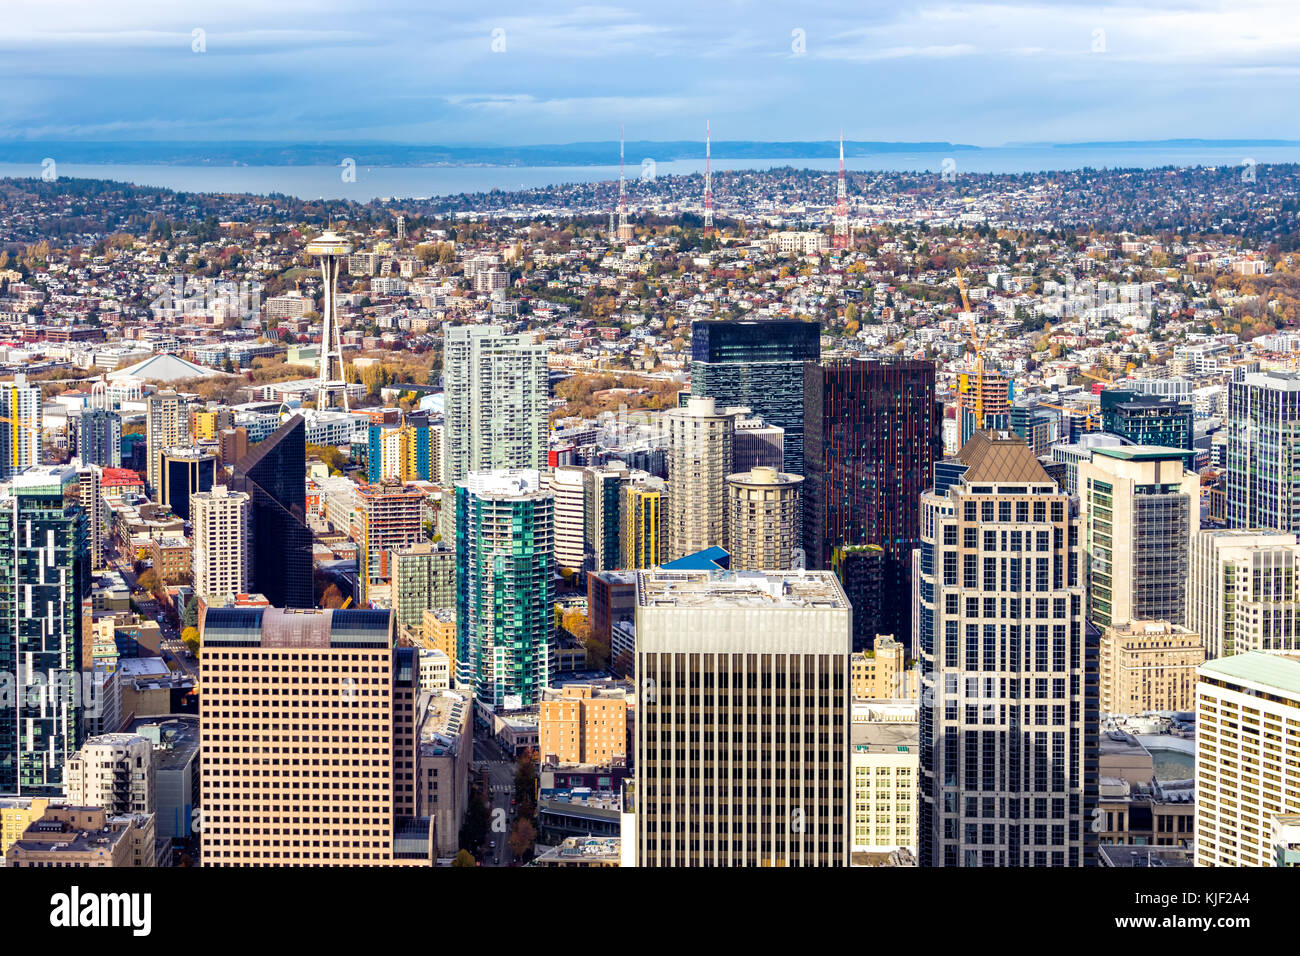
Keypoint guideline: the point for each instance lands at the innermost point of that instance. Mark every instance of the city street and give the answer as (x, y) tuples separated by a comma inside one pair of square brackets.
[(499, 772)]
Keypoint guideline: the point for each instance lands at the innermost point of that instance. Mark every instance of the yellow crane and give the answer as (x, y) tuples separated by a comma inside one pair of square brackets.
[(978, 342)]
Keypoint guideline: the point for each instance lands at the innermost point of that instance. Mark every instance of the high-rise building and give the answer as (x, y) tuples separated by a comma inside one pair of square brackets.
[(1140, 509), (496, 394), (504, 528), (1247, 755), (166, 426), (1263, 475), (1244, 591), (1147, 419), (274, 476), (424, 578), (1008, 668), (861, 569), (99, 437), (390, 516), (602, 515), (45, 576), (1149, 665), (994, 388), (90, 495), (113, 771), (765, 520), (757, 363), (699, 461), (742, 753), (20, 426), (223, 545), (758, 444), (185, 472), (643, 517), (337, 726), (871, 438), (565, 483)]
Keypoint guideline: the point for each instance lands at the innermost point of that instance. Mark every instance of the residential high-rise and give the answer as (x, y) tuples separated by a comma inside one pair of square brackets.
[(1263, 474), (504, 528), (167, 425), (20, 426), (45, 584), (1009, 717), (1247, 755), (308, 740), (565, 483), (757, 363), (390, 516), (223, 545), (861, 568), (114, 771), (699, 460), (1141, 509), (1147, 419), (496, 394), (91, 498), (424, 578), (765, 520), (871, 437), (742, 753), (602, 515), (99, 437), (186, 471), (1244, 591), (642, 513), (274, 475), (1149, 665)]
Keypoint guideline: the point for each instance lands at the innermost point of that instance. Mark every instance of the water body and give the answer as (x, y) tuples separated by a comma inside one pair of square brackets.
[(407, 182)]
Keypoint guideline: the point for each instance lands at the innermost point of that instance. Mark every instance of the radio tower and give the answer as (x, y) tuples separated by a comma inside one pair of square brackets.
[(841, 238), (624, 230), (708, 180)]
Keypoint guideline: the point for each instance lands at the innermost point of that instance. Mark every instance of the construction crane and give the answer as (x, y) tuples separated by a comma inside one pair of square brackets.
[(978, 342)]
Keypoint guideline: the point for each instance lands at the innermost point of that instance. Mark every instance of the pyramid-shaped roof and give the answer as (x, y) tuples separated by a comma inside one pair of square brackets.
[(999, 456)]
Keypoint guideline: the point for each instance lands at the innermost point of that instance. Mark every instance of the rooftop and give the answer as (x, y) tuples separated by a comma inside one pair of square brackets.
[(739, 589), (997, 455), (1143, 452), (1266, 670)]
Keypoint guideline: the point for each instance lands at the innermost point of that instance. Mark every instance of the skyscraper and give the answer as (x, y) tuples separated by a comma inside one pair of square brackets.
[(274, 476), (1141, 509), (391, 516), (223, 546), (742, 719), (166, 426), (496, 392), (45, 586), (504, 525), (99, 437), (601, 519), (871, 438), (20, 426), (699, 460), (764, 520), (1147, 419), (1263, 475), (185, 472), (641, 537), (1243, 591), (1008, 667), (757, 363)]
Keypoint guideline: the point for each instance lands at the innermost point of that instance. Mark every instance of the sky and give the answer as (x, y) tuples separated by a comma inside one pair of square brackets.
[(542, 72)]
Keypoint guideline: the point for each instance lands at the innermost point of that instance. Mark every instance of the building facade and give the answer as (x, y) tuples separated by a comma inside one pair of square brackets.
[(223, 545), (1149, 665), (765, 520), (699, 461)]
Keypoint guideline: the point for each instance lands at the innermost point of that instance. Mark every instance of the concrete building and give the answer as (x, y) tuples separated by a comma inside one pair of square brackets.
[(582, 724), (566, 484), (389, 517), (1247, 756), (223, 547), (1263, 428), (424, 578), (1244, 591), (1149, 665), (699, 461), (85, 837), (21, 435), (644, 520), (727, 775), (881, 673), (112, 771), (167, 425), (886, 769), (765, 520), (446, 750)]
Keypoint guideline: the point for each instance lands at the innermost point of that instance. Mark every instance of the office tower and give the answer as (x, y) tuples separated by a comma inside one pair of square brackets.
[(1008, 670), (504, 528), (390, 516), (1247, 755), (20, 426), (274, 476), (758, 445), (885, 769), (602, 516), (99, 437), (728, 774), (641, 537), (757, 364), (611, 599), (91, 499), (1244, 591), (332, 249), (45, 573), (566, 486), (871, 437), (223, 545), (1146, 419), (1140, 509), (185, 472), (699, 460), (166, 426), (496, 394), (582, 724), (765, 520), (1263, 477), (336, 725), (861, 570), (1149, 665), (113, 771), (424, 578)]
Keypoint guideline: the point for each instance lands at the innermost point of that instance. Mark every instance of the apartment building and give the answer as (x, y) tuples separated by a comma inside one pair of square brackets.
[(582, 724), (1149, 665)]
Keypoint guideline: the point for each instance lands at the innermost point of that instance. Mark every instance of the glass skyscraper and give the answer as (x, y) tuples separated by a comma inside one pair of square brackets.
[(757, 363)]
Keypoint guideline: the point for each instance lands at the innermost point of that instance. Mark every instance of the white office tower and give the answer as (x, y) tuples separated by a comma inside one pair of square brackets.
[(1008, 671), (496, 393), (113, 771), (1244, 591), (332, 250), (699, 461), (223, 553), (566, 484), (1263, 478), (1247, 756), (20, 426), (742, 719)]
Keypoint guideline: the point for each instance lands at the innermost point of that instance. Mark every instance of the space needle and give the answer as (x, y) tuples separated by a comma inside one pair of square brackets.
[(330, 248)]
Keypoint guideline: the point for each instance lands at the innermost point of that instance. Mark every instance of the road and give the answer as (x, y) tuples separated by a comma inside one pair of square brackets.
[(172, 651), (498, 770)]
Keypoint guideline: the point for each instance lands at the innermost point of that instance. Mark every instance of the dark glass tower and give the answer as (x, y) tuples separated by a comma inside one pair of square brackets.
[(757, 363), (1146, 419), (274, 475), (871, 438)]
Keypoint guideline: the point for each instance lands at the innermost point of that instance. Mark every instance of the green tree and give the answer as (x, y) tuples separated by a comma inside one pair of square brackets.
[(464, 858)]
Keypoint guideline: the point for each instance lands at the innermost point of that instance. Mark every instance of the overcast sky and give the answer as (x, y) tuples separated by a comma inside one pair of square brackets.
[(410, 71)]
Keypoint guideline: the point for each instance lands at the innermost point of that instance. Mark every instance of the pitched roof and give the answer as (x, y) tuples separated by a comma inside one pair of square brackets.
[(1000, 456), (164, 368)]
